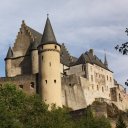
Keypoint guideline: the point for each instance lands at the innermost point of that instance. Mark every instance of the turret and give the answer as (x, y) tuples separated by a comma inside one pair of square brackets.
[(8, 61), (105, 61), (49, 67), (34, 57)]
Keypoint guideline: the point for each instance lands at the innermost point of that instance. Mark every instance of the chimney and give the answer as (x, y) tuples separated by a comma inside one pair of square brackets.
[(91, 51)]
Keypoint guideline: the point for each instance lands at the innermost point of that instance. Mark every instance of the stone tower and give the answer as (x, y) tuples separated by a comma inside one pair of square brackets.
[(8, 62), (49, 67), (34, 58)]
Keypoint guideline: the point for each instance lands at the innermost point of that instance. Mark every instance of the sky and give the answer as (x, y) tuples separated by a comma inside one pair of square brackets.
[(80, 24)]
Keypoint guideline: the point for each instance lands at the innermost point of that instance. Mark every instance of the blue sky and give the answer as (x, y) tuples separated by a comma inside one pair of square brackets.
[(80, 24)]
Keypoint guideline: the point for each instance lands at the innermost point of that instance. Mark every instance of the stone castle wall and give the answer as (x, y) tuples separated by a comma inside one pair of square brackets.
[(72, 93), (27, 83)]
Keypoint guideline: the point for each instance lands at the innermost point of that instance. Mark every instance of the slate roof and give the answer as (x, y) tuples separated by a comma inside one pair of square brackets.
[(36, 34), (9, 53), (65, 57), (48, 34), (88, 57)]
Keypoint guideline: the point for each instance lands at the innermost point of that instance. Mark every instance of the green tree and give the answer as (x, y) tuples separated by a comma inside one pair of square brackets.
[(18, 110), (89, 121), (120, 123)]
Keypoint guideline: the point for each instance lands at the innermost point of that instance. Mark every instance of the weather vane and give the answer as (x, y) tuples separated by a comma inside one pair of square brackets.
[(47, 15)]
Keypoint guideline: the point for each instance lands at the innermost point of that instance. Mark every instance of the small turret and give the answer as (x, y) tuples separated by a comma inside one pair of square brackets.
[(49, 67), (34, 57), (105, 61), (9, 54), (8, 61)]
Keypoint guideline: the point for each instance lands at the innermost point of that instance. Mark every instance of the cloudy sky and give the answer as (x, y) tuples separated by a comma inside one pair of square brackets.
[(80, 24)]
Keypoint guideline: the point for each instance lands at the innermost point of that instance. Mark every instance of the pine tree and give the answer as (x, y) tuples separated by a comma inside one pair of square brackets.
[(120, 123)]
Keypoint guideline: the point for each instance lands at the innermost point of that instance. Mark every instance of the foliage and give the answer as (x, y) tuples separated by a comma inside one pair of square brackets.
[(123, 48), (120, 123), (88, 121), (18, 110)]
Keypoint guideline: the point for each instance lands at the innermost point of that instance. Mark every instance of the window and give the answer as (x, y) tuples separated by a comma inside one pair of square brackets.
[(32, 84), (50, 64), (42, 58), (107, 77), (83, 68), (102, 89), (46, 81), (97, 87), (55, 47), (21, 86), (110, 79), (91, 77), (54, 81)]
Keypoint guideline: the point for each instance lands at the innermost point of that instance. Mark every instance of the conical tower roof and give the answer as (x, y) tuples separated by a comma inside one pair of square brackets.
[(9, 53), (48, 34)]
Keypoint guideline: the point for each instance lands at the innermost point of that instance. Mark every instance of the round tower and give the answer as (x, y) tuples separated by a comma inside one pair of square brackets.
[(49, 67), (8, 61), (34, 58)]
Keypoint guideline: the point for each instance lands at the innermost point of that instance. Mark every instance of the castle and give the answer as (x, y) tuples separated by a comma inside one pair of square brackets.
[(37, 63)]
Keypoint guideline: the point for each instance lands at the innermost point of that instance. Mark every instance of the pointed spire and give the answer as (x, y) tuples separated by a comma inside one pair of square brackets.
[(105, 61), (9, 53), (48, 34)]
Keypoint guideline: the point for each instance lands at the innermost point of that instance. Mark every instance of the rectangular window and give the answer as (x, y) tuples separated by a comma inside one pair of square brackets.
[(91, 77)]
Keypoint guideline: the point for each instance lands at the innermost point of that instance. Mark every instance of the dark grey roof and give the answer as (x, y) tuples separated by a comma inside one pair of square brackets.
[(65, 57), (88, 57), (36, 34), (48, 34), (34, 45), (9, 53)]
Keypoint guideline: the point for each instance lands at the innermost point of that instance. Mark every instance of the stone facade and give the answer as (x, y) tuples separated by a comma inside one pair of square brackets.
[(37, 64)]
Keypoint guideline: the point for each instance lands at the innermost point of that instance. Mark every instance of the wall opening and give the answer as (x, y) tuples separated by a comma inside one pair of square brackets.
[(46, 81), (97, 87), (54, 81), (50, 64), (32, 84), (102, 89), (91, 77), (55, 47), (21, 86), (42, 58)]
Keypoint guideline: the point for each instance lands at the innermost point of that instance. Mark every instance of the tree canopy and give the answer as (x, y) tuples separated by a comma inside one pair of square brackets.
[(18, 110)]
